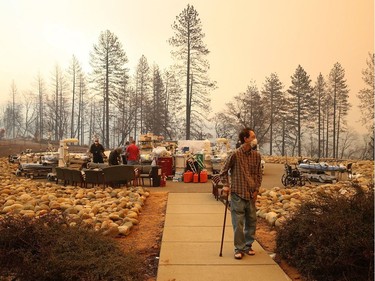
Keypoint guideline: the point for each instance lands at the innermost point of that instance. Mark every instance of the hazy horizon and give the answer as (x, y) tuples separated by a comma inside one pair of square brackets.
[(248, 40)]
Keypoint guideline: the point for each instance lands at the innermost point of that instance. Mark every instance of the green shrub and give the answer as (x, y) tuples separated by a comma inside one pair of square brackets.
[(331, 238), (48, 248)]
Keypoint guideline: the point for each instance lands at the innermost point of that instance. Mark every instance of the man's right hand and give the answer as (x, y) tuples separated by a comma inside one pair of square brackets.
[(225, 190)]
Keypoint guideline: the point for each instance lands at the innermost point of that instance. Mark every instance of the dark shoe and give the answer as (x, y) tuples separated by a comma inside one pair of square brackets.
[(250, 252), (238, 255)]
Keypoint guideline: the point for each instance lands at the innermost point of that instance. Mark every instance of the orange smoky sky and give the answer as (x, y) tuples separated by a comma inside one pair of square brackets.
[(248, 39)]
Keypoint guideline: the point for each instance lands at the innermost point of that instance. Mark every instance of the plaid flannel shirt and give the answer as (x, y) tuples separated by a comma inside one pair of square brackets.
[(245, 172)]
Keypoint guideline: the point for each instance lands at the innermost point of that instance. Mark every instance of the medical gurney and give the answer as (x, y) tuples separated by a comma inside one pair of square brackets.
[(315, 171), (321, 166)]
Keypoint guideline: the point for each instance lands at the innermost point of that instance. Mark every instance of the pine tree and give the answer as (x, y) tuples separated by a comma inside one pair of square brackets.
[(108, 61), (75, 72), (366, 95), (300, 102), (14, 93), (57, 105), (142, 95), (173, 106), (41, 97), (190, 53), (273, 97), (339, 92), (158, 102), (82, 96), (319, 92), (125, 106)]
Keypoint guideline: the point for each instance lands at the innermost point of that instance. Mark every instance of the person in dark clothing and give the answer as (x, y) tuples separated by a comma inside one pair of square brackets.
[(115, 157), (97, 151)]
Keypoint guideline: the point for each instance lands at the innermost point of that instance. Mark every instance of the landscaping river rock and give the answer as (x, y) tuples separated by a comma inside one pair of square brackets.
[(114, 211), (276, 204)]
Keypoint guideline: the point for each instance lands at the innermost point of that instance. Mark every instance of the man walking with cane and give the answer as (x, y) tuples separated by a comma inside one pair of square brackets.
[(244, 165)]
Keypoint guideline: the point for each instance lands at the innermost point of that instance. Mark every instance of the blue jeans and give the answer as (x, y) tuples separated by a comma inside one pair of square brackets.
[(244, 219), (133, 162)]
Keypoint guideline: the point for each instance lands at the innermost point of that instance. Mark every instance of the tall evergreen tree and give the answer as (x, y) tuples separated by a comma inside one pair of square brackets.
[(142, 95), (82, 96), (366, 105), (286, 130), (319, 92), (75, 70), (108, 61), (41, 98), (173, 106), (158, 102), (327, 117), (300, 101), (366, 94), (190, 53), (339, 92), (126, 105), (58, 106), (273, 97), (13, 123)]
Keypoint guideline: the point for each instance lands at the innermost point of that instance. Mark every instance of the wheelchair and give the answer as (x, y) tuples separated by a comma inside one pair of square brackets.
[(292, 177)]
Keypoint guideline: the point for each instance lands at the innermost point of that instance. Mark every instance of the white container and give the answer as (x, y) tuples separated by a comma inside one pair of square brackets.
[(180, 161)]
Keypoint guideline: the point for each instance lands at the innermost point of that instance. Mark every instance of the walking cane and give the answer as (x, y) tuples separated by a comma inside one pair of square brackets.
[(225, 218)]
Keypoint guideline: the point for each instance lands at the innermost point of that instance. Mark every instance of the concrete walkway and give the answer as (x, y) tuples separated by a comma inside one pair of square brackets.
[(191, 245)]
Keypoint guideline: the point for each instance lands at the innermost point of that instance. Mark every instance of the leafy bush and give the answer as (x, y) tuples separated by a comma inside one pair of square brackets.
[(48, 248), (331, 238)]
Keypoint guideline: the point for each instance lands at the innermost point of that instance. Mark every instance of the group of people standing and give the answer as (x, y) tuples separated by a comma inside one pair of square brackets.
[(129, 154)]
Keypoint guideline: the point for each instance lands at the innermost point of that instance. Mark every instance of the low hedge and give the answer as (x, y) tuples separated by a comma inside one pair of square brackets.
[(331, 238), (49, 248)]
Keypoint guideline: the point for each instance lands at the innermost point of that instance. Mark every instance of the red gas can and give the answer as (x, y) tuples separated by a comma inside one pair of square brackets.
[(203, 176), (188, 176), (196, 178)]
